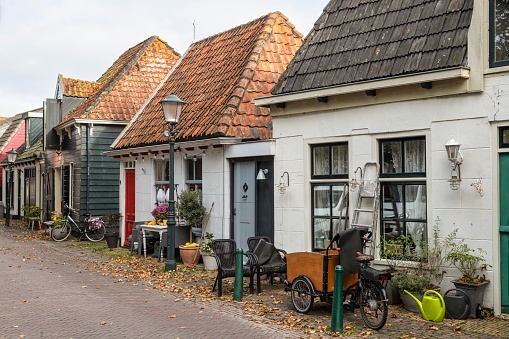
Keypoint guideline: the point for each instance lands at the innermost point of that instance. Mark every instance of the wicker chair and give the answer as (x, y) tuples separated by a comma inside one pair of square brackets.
[(269, 269), (225, 252)]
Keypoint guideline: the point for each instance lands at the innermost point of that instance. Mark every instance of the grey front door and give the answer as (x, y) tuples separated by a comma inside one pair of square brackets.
[(244, 202)]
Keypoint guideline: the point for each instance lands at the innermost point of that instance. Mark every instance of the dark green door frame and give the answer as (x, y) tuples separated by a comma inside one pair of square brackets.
[(504, 230)]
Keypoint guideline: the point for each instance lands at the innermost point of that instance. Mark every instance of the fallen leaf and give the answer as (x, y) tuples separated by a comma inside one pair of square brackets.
[(172, 316), (103, 322), (433, 328), (457, 328)]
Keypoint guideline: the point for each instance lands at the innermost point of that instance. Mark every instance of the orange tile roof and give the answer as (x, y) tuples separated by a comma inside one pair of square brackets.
[(128, 83), (78, 88), (219, 77)]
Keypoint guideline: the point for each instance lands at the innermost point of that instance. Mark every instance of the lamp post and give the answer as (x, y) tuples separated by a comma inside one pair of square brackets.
[(172, 106), (11, 158)]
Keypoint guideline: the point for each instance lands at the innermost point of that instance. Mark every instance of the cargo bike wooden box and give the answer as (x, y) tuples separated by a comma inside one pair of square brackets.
[(311, 275)]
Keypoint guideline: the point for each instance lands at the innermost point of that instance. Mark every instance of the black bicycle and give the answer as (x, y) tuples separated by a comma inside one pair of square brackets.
[(311, 275), (93, 227)]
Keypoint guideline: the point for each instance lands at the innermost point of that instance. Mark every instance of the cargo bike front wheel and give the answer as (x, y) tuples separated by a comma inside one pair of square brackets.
[(302, 295)]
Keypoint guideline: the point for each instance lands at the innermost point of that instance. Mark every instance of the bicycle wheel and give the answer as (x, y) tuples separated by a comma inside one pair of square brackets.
[(374, 305), (61, 231), (95, 235), (301, 295)]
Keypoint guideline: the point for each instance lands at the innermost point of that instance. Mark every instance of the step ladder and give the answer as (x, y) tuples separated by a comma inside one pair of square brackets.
[(365, 214)]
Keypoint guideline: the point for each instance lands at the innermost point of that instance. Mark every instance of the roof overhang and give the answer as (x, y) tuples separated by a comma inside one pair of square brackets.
[(66, 126), (397, 81), (195, 144)]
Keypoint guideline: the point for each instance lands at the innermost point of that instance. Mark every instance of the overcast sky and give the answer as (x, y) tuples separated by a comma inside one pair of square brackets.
[(80, 39)]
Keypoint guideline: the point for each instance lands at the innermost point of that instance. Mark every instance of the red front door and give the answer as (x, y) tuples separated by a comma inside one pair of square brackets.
[(129, 204)]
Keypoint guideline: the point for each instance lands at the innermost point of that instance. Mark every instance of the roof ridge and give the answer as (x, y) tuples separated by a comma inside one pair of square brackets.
[(252, 62), (108, 86)]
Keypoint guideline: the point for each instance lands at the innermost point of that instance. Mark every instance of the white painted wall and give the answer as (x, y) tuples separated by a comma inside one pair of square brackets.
[(468, 118)]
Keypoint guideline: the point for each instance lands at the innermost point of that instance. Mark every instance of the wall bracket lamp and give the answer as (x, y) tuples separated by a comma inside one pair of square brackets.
[(452, 148)]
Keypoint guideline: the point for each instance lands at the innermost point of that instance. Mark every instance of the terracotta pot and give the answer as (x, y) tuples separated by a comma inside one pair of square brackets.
[(188, 255)]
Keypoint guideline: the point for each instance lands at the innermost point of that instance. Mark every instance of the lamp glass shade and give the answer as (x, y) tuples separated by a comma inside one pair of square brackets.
[(453, 149), (11, 155), (172, 107), (160, 195)]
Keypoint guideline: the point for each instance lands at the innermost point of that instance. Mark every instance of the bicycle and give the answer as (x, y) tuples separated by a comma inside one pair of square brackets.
[(93, 228), (312, 275)]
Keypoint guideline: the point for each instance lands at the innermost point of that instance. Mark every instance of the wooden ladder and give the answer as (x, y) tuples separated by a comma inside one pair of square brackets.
[(365, 214)]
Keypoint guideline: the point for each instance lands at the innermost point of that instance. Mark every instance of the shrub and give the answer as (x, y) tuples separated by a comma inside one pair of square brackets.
[(190, 207), (31, 211), (410, 281)]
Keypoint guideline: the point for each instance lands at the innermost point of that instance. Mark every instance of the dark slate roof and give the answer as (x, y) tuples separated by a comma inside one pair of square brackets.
[(360, 40)]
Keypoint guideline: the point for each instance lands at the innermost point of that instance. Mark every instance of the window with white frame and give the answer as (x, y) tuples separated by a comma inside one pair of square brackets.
[(162, 179), (499, 33), (403, 190), (329, 187)]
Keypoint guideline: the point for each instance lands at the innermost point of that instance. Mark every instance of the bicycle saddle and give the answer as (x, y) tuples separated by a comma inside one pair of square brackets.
[(360, 257)]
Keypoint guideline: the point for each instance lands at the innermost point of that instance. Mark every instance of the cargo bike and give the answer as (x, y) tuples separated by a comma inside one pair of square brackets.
[(311, 275)]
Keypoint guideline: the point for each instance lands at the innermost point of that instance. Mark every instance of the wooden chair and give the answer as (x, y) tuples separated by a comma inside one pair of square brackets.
[(225, 252), (274, 263)]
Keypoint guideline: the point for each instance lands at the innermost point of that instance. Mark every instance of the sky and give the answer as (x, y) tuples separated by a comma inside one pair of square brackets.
[(80, 39)]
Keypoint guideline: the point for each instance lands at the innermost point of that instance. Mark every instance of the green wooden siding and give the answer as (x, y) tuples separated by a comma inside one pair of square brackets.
[(36, 129), (103, 173), (504, 230)]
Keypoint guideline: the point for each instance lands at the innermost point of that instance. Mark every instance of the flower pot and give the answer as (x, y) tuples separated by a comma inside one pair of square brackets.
[(475, 293), (188, 255), (409, 303), (392, 294), (209, 261), (111, 239)]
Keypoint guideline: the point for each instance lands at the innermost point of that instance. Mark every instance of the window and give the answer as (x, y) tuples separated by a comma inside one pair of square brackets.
[(30, 189), (403, 189), (67, 184), (499, 33), (328, 199), (503, 137), (162, 175), (194, 174)]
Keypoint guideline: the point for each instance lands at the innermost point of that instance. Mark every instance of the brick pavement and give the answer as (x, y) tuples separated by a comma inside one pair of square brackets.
[(54, 294), (48, 293)]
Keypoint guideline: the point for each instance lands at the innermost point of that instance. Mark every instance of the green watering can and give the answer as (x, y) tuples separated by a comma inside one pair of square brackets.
[(432, 307)]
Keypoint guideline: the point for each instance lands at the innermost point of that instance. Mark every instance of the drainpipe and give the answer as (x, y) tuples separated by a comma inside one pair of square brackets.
[(88, 167)]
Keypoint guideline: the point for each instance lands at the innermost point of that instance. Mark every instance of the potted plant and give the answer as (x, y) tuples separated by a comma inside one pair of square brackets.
[(31, 211), (160, 214), (470, 263), (191, 209), (411, 281), (111, 223), (206, 251), (392, 250)]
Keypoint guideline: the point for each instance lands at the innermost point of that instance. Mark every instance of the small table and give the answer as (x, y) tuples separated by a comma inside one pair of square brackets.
[(157, 228)]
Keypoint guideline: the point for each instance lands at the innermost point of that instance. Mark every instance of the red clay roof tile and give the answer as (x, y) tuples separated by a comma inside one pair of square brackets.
[(218, 78), (128, 83)]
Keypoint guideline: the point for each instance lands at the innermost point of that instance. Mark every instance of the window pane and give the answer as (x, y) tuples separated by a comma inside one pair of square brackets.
[(391, 229), (415, 151), (337, 195), (321, 160), (340, 159), (322, 201), (501, 35), (197, 169), (190, 169), (416, 230), (392, 201), (505, 136), (415, 202), (322, 230), (392, 161)]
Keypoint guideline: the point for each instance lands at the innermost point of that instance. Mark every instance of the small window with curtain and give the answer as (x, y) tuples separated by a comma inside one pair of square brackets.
[(194, 173)]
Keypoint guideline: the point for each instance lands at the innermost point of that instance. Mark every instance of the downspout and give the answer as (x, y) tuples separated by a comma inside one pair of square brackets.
[(88, 167)]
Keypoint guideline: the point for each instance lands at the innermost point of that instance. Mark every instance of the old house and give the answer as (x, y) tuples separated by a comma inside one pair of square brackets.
[(392, 82), (223, 139), (84, 119)]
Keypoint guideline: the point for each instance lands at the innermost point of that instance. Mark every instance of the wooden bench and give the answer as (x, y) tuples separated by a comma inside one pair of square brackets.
[(34, 220)]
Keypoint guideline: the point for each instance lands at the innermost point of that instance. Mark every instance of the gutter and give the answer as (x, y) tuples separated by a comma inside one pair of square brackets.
[(88, 168), (394, 81)]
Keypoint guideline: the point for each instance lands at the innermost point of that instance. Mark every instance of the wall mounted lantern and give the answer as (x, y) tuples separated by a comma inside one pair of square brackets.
[(283, 184), (261, 174), (353, 184), (452, 148)]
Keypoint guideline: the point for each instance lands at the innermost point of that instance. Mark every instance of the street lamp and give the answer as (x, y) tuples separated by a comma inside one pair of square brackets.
[(11, 158), (172, 106)]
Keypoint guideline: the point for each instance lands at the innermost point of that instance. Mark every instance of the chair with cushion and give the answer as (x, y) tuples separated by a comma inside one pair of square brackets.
[(267, 259), (225, 252)]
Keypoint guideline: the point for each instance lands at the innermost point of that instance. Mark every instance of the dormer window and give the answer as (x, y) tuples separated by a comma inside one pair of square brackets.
[(499, 33)]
